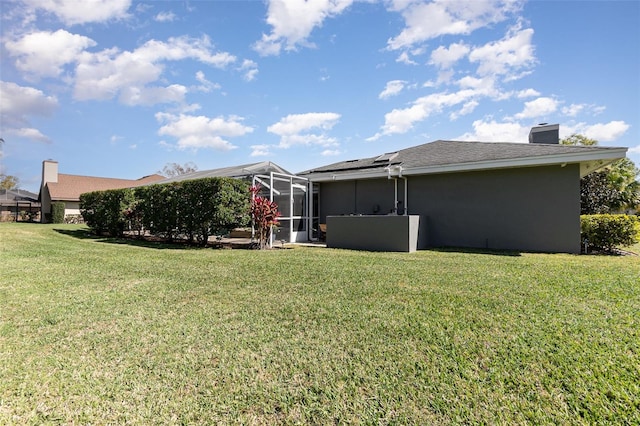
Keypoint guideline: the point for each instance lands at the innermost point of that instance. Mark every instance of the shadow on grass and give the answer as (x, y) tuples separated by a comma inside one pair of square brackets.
[(492, 252), (85, 234)]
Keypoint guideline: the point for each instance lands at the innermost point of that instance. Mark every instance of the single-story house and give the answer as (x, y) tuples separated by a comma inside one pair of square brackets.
[(18, 205), (522, 196), (488, 195), (68, 188)]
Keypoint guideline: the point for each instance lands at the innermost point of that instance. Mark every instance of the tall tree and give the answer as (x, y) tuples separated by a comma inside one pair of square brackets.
[(175, 169), (8, 182), (576, 139), (612, 189)]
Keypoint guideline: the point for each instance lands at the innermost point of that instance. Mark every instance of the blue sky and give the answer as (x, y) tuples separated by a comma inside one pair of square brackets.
[(119, 88)]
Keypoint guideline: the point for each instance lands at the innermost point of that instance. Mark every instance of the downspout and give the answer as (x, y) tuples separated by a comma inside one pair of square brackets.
[(395, 195), (395, 190), (406, 197), (406, 194)]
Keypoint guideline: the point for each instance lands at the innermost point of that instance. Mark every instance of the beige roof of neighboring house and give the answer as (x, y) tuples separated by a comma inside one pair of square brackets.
[(69, 187)]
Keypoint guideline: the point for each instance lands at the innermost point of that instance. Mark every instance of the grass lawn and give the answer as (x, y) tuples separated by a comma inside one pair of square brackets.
[(97, 331)]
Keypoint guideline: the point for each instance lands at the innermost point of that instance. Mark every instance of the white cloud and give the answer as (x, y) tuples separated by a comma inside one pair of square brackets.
[(330, 152), (174, 93), (260, 150), (29, 133), (467, 108), (392, 88), (492, 131), (293, 21), (250, 69), (81, 12), (538, 108), (484, 84), (205, 85), (20, 101), (19, 104), (44, 53), (403, 120), (194, 132), (444, 57), (573, 109), (634, 149), (507, 56), (165, 17), (109, 73), (305, 129), (527, 93), (428, 20), (405, 59), (602, 132)]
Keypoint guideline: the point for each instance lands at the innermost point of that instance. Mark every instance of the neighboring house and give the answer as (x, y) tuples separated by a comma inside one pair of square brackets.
[(18, 205), (470, 194), (68, 188)]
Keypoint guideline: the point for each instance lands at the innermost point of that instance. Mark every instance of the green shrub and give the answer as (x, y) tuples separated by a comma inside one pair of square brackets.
[(193, 209), (105, 211), (608, 231), (57, 212), (159, 207)]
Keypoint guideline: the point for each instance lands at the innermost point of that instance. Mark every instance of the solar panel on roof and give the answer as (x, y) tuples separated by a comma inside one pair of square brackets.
[(386, 157)]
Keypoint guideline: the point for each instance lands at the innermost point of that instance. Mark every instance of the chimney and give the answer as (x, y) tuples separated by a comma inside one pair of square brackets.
[(49, 172), (545, 133)]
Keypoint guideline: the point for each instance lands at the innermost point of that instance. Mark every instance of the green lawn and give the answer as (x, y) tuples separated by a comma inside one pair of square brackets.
[(97, 331)]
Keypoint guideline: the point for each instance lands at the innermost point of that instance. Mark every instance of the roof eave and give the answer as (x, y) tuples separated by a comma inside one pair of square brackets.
[(596, 160)]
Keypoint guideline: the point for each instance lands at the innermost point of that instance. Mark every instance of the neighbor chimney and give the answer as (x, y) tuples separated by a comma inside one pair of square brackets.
[(49, 172), (49, 175), (545, 133)]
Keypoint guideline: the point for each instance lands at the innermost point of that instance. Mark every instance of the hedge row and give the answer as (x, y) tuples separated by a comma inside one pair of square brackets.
[(192, 209), (608, 231)]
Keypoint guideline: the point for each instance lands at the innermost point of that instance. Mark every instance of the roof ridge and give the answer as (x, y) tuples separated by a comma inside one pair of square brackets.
[(100, 177)]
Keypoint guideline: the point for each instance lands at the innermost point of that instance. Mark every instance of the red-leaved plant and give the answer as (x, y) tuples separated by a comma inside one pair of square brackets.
[(264, 214)]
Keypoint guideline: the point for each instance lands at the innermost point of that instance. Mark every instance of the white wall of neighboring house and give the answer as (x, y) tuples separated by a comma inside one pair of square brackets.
[(71, 208)]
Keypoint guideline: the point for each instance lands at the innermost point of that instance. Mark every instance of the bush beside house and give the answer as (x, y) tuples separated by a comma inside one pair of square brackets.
[(57, 212), (193, 210), (608, 231)]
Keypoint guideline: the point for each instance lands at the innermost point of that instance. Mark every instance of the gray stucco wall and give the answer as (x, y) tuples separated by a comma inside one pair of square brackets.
[(532, 209), (374, 232), (373, 196)]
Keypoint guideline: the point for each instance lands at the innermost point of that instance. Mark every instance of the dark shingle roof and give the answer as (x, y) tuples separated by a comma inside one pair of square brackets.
[(9, 197), (446, 153)]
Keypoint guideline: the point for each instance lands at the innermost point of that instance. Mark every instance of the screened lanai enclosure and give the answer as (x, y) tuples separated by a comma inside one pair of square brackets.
[(293, 196)]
